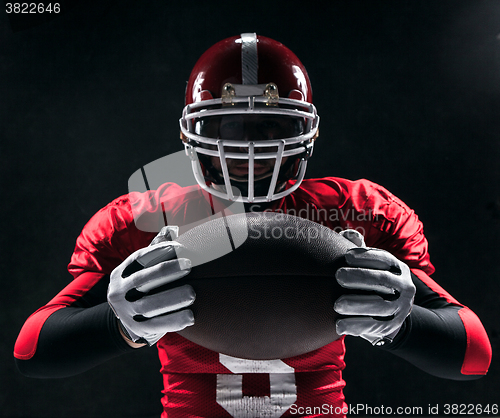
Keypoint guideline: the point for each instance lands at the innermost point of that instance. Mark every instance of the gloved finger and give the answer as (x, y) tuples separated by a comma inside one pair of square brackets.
[(173, 322), (167, 233), (364, 326), (369, 305), (147, 257), (157, 253), (372, 258), (160, 303), (380, 281), (354, 236), (160, 274)]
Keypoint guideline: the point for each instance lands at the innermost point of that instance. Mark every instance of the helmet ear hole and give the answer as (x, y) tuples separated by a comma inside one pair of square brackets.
[(296, 94)]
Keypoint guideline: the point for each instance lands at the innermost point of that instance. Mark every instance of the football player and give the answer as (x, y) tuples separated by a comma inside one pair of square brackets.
[(249, 128)]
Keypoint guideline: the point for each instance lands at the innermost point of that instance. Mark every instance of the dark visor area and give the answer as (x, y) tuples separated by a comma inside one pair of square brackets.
[(250, 127)]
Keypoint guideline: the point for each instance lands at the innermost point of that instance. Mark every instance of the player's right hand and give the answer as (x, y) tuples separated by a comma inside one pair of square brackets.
[(145, 312)]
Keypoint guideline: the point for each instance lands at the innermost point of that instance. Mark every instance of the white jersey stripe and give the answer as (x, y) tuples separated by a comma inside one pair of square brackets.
[(249, 61)]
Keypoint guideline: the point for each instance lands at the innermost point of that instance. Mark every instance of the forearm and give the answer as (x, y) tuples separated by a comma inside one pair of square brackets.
[(73, 340), (439, 341)]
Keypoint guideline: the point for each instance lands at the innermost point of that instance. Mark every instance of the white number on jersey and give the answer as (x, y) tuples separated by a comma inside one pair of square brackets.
[(230, 393)]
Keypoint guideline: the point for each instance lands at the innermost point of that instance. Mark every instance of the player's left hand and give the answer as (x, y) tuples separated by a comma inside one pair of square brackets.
[(379, 316)]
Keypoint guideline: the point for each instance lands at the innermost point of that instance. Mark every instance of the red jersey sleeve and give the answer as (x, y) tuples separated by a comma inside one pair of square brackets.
[(108, 238)]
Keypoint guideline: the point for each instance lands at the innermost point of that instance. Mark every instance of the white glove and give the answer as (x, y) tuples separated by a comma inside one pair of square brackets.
[(378, 317), (147, 315)]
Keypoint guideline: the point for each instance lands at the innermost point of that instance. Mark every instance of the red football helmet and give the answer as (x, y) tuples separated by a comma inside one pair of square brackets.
[(249, 124)]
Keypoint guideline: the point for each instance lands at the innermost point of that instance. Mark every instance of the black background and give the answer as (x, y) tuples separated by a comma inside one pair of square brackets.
[(409, 95)]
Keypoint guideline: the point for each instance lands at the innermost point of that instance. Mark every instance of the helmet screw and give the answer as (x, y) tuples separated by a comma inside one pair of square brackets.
[(228, 92)]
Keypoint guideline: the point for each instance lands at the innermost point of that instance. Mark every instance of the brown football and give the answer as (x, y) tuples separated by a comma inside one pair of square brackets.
[(271, 296)]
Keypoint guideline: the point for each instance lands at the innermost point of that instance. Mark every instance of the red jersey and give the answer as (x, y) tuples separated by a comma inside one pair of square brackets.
[(199, 382), (202, 383)]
